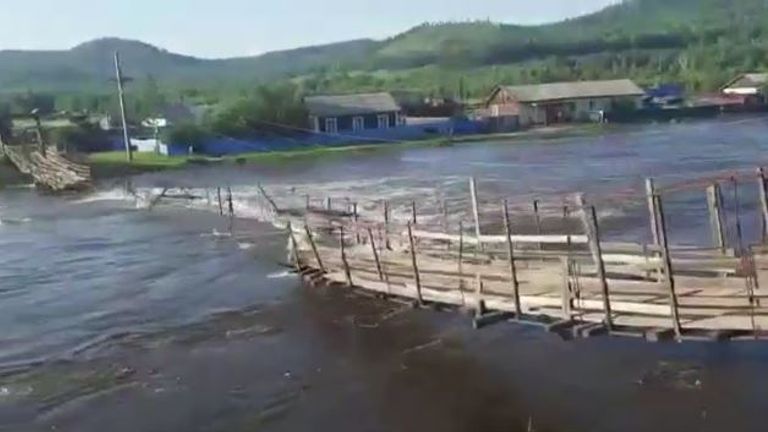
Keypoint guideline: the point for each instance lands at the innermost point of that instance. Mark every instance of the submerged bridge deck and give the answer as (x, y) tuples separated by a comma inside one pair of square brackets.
[(573, 282)]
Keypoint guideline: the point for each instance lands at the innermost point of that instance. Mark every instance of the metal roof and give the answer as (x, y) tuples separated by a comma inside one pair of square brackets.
[(342, 105), (573, 90)]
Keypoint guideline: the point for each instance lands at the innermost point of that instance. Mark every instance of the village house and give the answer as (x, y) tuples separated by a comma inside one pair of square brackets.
[(747, 89), (544, 104), (353, 113)]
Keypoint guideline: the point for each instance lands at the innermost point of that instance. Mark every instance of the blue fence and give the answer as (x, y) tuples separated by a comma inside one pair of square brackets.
[(223, 146)]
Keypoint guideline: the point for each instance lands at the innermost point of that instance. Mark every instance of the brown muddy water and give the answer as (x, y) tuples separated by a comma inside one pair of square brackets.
[(118, 318)]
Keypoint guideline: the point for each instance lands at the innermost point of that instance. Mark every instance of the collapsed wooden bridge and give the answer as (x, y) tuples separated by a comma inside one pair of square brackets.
[(570, 281), (49, 169)]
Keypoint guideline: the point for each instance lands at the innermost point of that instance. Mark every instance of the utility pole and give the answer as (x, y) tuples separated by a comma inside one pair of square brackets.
[(121, 97)]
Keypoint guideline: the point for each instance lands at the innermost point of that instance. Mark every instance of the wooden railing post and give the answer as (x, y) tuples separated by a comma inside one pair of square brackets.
[(347, 271), (589, 218), (512, 265), (312, 243), (715, 203), (387, 244), (475, 211), (379, 269), (650, 191), (416, 276), (762, 184), (667, 260), (294, 248), (221, 204), (461, 262), (537, 220)]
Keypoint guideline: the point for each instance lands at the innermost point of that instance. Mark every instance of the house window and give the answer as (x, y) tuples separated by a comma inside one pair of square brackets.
[(591, 104), (358, 123), (331, 125), (383, 121)]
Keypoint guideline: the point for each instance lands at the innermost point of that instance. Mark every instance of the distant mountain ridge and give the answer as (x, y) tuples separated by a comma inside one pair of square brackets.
[(629, 25)]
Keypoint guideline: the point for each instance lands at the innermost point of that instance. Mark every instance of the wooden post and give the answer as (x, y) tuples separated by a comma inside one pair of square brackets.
[(230, 202), (121, 99), (650, 191), (762, 183), (387, 244), (715, 202), (356, 219), (312, 243), (344, 261), (416, 276), (444, 210), (308, 204), (567, 294), (376, 255), (328, 204), (294, 248), (589, 215), (667, 260), (537, 220), (461, 261), (221, 204), (41, 145), (512, 265), (475, 210), (414, 220)]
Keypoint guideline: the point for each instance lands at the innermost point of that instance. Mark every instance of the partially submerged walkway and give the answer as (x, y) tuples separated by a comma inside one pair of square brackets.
[(571, 282)]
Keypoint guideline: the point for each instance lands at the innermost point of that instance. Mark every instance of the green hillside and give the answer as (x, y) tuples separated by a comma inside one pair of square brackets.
[(698, 42)]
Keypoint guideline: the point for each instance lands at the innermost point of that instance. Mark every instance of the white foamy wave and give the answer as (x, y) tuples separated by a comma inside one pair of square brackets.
[(105, 195), (280, 275), (245, 246)]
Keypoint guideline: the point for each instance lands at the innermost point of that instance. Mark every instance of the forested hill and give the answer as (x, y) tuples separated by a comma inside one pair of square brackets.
[(699, 42)]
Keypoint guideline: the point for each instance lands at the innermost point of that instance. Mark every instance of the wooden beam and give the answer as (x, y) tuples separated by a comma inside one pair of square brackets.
[(715, 204), (414, 219), (387, 244), (511, 258), (667, 259)]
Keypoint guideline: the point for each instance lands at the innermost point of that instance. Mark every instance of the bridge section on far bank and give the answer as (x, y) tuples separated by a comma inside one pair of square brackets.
[(49, 169)]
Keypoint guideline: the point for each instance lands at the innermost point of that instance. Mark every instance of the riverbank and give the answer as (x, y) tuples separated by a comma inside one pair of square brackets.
[(113, 164)]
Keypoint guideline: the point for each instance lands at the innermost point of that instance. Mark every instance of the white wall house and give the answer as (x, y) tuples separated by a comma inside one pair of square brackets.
[(749, 84)]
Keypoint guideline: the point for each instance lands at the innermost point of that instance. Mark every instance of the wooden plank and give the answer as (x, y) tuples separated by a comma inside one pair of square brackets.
[(501, 240)]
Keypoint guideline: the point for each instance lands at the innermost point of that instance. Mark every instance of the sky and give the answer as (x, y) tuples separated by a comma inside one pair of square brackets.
[(229, 28)]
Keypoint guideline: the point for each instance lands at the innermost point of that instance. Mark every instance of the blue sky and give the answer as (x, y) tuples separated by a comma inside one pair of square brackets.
[(225, 28)]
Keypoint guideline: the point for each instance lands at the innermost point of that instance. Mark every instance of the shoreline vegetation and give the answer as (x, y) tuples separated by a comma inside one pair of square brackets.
[(113, 164)]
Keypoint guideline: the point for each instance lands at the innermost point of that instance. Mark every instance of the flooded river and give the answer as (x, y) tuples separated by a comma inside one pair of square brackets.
[(118, 318)]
